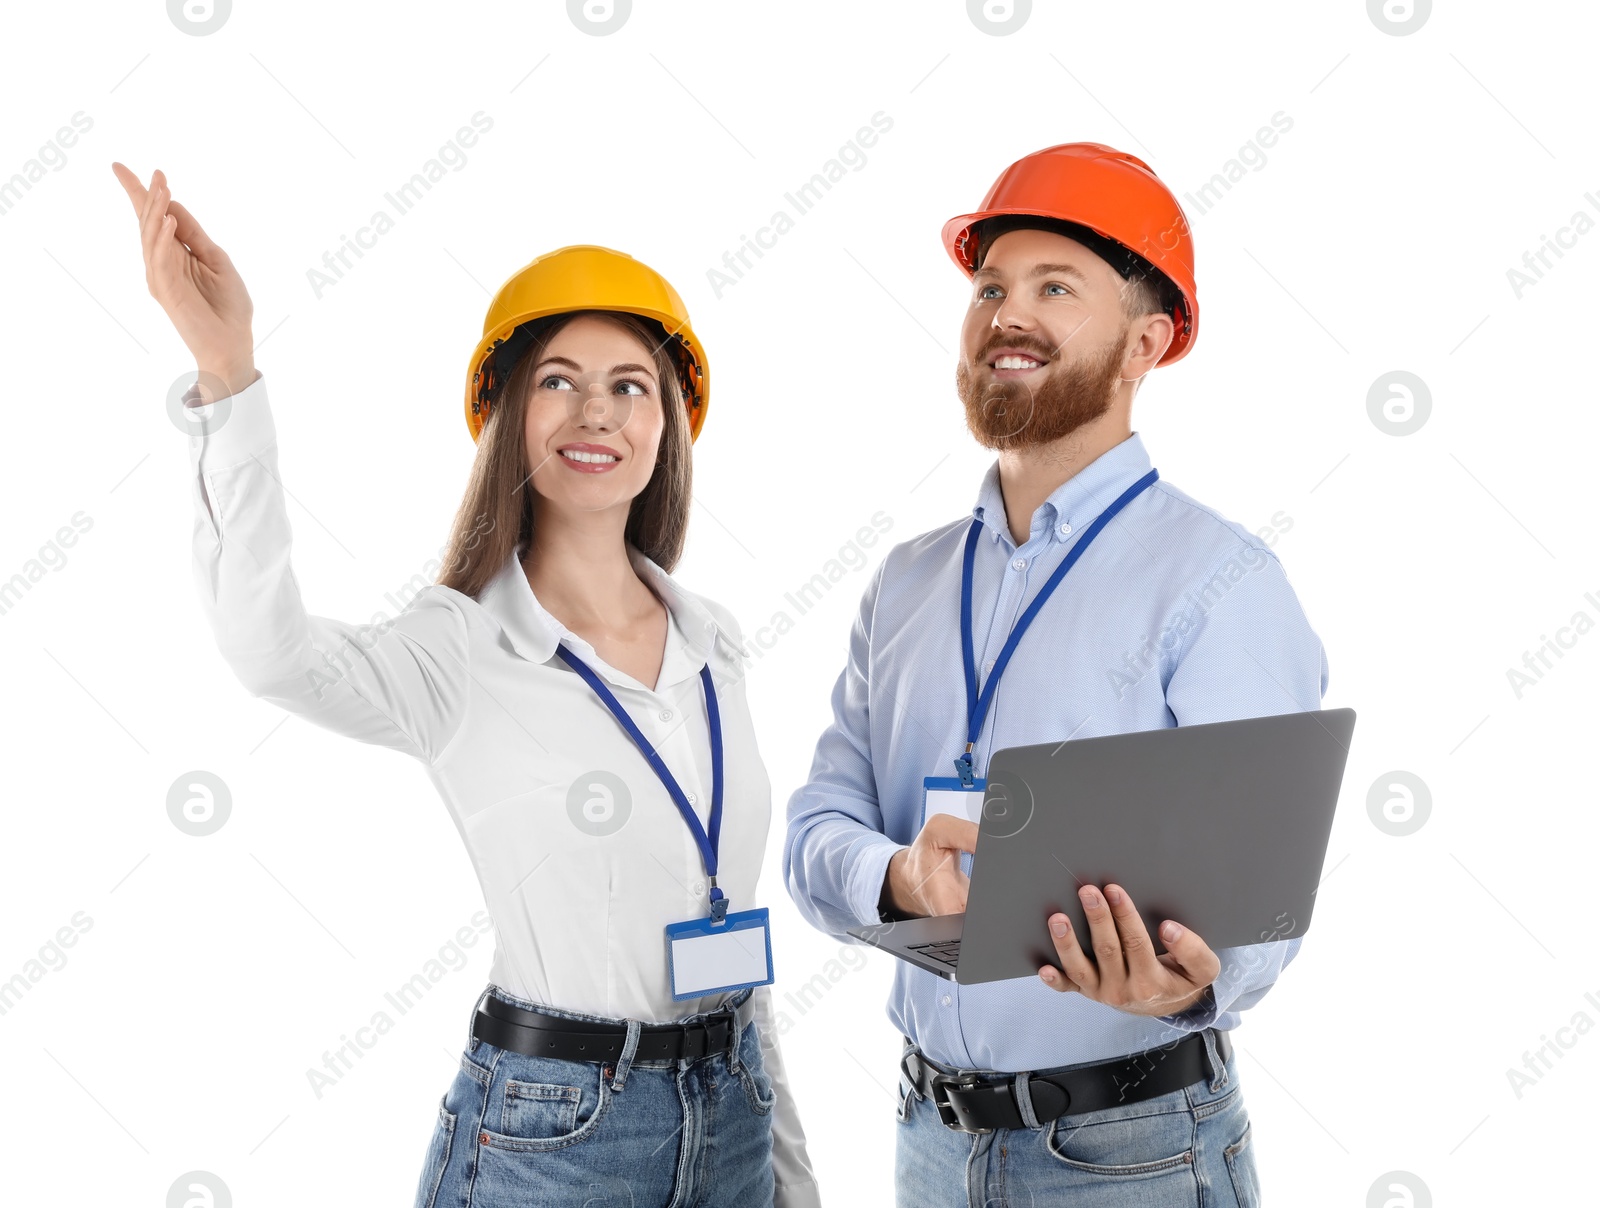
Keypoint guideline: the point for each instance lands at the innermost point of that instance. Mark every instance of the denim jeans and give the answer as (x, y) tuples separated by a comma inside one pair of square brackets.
[(685, 1133), (1190, 1147)]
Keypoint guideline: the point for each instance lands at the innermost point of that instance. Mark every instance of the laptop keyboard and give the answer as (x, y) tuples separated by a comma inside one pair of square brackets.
[(944, 951)]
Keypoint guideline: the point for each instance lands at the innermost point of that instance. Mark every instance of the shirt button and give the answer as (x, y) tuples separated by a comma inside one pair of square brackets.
[(1020, 564), (1066, 530), (945, 1000), (666, 715), (692, 798)]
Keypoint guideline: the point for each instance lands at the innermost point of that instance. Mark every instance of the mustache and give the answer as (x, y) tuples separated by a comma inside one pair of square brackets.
[(1036, 347)]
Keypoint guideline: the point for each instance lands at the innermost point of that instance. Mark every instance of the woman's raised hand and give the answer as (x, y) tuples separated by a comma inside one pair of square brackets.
[(194, 281)]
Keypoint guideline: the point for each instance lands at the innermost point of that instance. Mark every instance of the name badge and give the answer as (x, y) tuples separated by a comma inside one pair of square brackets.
[(947, 795), (705, 957)]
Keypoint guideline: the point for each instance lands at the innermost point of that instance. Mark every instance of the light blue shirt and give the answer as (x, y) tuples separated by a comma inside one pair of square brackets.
[(1175, 616)]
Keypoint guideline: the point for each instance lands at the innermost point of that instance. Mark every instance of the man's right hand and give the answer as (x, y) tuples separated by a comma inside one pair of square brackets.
[(925, 879)]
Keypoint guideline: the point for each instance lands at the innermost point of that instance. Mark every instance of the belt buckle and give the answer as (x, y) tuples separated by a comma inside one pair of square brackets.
[(725, 1017), (951, 1114), (696, 1040), (697, 1036)]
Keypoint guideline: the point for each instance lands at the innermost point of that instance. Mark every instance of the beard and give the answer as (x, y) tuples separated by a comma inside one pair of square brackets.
[(1013, 414)]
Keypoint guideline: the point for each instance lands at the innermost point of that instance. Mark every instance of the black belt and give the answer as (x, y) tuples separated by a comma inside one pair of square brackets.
[(973, 1102), (535, 1034)]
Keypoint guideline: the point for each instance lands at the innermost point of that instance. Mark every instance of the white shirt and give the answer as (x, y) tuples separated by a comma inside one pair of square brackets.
[(579, 878)]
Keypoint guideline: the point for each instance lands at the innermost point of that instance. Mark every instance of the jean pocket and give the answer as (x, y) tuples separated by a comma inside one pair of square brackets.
[(1242, 1170), (758, 1090), (1144, 1140), (539, 1109), (438, 1157), (560, 1103)]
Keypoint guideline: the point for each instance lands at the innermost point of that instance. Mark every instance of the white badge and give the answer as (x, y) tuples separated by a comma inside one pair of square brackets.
[(705, 957)]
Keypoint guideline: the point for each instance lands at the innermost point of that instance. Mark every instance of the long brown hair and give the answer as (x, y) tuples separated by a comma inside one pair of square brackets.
[(495, 518)]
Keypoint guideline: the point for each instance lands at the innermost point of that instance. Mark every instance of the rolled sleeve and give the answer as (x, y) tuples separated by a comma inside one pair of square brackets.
[(1247, 974)]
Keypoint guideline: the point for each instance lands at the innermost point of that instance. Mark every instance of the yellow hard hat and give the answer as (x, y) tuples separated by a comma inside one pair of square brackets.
[(582, 277)]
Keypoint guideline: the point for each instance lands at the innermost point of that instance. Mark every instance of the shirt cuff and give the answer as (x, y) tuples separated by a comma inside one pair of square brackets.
[(1203, 1014), (234, 429), (871, 860), (796, 1195)]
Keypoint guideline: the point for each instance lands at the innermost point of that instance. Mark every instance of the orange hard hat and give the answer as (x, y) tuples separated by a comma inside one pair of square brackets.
[(1117, 198)]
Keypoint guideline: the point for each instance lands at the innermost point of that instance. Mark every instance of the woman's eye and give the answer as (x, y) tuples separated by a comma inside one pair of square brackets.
[(555, 382), (637, 387)]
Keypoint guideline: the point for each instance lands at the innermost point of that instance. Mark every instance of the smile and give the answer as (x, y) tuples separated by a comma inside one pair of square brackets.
[(589, 459), (1016, 362)]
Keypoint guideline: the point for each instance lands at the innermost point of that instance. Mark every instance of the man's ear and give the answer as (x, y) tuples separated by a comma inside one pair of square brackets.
[(1155, 337)]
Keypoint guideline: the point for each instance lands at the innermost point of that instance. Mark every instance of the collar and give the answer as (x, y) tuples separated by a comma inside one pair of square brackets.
[(534, 633), (1073, 504)]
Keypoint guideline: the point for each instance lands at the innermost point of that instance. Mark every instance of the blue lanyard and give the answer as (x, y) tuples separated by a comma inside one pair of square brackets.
[(706, 843), (978, 704)]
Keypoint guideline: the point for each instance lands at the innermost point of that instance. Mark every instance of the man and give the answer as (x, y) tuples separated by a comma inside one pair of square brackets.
[(1083, 282)]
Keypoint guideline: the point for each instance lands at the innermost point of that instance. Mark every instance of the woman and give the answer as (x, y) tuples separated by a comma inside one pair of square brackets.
[(582, 715)]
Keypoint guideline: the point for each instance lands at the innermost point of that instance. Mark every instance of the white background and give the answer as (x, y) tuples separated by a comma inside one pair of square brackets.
[(1377, 236)]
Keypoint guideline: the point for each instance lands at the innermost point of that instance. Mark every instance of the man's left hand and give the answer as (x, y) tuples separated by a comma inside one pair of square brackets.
[(1126, 972)]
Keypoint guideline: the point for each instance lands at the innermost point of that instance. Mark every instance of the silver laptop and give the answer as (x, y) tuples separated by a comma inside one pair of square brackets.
[(1221, 826)]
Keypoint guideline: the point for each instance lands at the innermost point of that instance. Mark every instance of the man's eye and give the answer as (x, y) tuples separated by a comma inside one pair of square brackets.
[(1057, 285), (985, 295)]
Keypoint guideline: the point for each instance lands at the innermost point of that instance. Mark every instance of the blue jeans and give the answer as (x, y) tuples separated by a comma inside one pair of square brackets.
[(685, 1133), (1190, 1147)]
